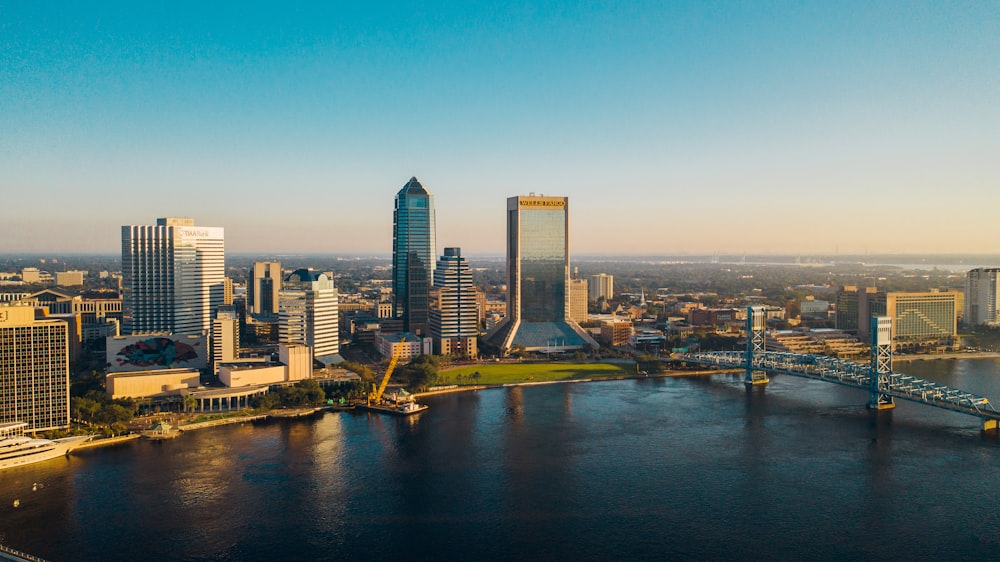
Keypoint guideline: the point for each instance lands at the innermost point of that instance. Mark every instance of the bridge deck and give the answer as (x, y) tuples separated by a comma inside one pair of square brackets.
[(855, 375)]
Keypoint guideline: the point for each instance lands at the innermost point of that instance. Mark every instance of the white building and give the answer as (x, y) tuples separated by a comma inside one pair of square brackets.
[(602, 285), (308, 314), (981, 295), (409, 345), (173, 275)]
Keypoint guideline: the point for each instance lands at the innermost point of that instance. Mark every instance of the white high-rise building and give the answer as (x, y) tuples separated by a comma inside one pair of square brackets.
[(455, 320), (982, 292), (602, 285), (307, 314), (172, 276)]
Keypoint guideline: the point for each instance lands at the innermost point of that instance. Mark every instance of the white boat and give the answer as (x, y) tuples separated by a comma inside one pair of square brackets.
[(16, 449)]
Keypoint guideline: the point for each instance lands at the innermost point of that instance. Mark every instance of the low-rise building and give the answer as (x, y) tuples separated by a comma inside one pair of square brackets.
[(616, 333), (151, 384), (409, 345)]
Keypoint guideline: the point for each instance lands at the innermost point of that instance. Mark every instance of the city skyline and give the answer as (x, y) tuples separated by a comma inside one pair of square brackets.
[(842, 128)]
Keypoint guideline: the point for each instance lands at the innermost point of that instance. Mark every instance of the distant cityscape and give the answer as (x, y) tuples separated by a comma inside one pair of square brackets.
[(178, 328)]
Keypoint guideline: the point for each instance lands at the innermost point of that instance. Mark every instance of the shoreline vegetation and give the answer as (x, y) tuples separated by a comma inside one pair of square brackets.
[(484, 376)]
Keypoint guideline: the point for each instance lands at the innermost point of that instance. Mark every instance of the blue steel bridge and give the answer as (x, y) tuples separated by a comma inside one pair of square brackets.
[(883, 384)]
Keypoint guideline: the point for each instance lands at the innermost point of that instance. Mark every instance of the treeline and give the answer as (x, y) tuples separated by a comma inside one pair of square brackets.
[(95, 409), (417, 375)]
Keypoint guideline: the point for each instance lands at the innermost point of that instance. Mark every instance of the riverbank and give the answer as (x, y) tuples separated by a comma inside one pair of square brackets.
[(107, 441), (941, 356), (665, 374)]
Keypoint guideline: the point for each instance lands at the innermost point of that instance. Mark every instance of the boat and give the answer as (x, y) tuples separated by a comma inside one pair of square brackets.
[(17, 449)]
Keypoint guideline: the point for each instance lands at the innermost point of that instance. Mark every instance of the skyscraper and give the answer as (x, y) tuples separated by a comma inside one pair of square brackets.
[(455, 321), (172, 276), (307, 310), (413, 251), (263, 288), (34, 369), (982, 295), (538, 271)]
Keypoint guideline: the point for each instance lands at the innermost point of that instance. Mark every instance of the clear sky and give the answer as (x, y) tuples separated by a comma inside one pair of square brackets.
[(700, 127)]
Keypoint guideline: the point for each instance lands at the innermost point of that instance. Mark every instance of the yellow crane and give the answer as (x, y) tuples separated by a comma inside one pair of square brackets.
[(375, 396)]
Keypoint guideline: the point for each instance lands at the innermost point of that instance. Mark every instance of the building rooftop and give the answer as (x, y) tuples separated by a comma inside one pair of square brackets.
[(413, 187)]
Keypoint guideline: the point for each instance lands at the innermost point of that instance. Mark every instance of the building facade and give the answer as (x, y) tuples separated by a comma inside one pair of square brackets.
[(263, 287), (173, 275), (982, 292), (308, 314), (413, 252), (409, 345), (602, 285), (578, 300), (454, 321), (225, 337), (34, 369), (919, 319), (538, 279)]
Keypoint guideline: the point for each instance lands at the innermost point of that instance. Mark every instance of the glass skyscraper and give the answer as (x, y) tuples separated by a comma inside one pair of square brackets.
[(413, 253), (538, 270)]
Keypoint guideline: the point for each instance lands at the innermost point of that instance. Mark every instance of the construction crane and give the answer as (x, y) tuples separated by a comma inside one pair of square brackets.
[(375, 396)]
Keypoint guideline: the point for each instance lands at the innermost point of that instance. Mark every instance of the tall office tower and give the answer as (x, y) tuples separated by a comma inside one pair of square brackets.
[(982, 292), (455, 321), (263, 288), (34, 369), (538, 271), (602, 285), (307, 314), (225, 337), (173, 275), (578, 300), (413, 251)]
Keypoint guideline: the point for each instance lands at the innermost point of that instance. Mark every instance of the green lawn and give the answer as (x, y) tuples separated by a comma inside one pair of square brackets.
[(505, 373)]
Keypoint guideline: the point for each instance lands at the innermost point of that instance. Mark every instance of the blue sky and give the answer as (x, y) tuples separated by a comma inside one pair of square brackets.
[(799, 127)]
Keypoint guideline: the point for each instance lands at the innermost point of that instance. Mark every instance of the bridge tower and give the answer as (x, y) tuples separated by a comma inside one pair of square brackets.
[(881, 363), (755, 344)]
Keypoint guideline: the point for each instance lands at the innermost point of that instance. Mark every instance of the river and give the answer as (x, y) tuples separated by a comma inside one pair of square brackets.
[(659, 468)]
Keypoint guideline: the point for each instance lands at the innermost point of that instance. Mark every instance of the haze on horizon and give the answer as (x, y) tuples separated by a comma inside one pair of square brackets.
[(684, 127)]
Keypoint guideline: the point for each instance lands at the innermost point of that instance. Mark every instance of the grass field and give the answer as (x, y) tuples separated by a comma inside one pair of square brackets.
[(506, 373)]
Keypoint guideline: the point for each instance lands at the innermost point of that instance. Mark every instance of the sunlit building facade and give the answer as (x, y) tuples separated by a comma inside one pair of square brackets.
[(173, 276), (263, 288), (34, 369), (919, 319), (538, 296), (454, 321), (308, 314), (602, 285), (982, 292)]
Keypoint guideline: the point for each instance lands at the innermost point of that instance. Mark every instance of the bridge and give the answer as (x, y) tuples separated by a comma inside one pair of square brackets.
[(882, 383)]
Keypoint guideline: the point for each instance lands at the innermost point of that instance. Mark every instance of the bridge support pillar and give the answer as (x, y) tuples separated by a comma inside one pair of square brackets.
[(881, 364), (755, 344), (991, 425)]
